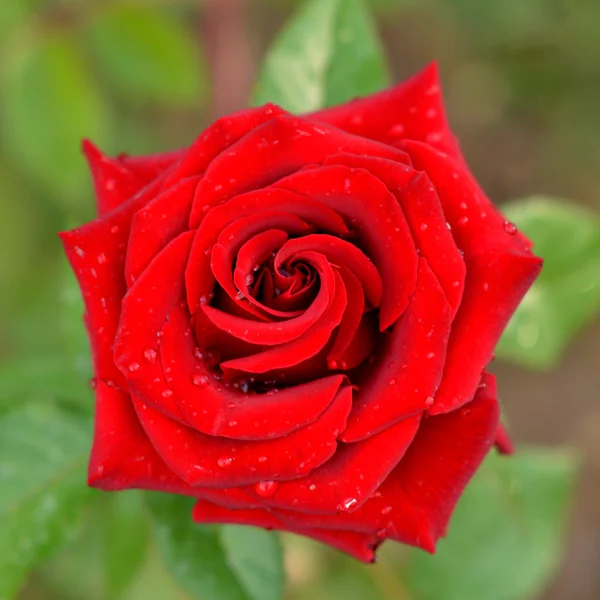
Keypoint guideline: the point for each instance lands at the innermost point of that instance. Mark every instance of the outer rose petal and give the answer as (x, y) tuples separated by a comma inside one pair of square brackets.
[(114, 183), (409, 366), (205, 460), (122, 456), (416, 501), (412, 109), (275, 149), (500, 269), (359, 545)]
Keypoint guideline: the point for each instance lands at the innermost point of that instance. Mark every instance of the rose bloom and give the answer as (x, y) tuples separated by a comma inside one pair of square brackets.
[(291, 319)]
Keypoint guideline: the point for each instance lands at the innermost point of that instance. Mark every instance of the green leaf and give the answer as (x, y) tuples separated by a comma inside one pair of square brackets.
[(50, 103), (149, 55), (567, 293), (255, 556), (205, 565), (43, 456), (327, 54), (125, 537), (505, 537)]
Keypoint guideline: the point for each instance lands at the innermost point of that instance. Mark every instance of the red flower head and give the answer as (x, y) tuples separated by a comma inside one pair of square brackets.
[(291, 318)]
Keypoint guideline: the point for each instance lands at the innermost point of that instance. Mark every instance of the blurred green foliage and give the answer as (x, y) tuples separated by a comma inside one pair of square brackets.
[(523, 92)]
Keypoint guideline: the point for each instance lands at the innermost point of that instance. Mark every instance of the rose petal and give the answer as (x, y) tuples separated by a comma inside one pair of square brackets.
[(144, 311), (155, 225), (347, 480), (379, 224), (204, 460), (274, 333), (271, 151), (122, 456), (415, 502), (410, 364), (215, 408), (421, 207), (114, 183), (199, 277), (360, 546), (500, 269), (299, 349), (413, 109)]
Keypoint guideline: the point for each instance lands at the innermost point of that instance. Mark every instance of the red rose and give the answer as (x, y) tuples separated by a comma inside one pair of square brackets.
[(291, 318)]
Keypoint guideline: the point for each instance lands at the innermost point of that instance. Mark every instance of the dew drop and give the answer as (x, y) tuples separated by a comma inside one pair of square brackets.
[(423, 227), (167, 394), (430, 355), (249, 279), (200, 380), (455, 284), (429, 401), (312, 487), (206, 207), (463, 221), (392, 382), (101, 258), (114, 229), (262, 459), (150, 355), (232, 423), (347, 504), (266, 488), (510, 228), (134, 366), (386, 510), (224, 461), (79, 252), (486, 286), (332, 364), (93, 383)]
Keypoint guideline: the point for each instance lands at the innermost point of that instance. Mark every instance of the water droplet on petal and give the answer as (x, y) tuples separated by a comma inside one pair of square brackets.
[(463, 221), (386, 510), (347, 504), (200, 380), (262, 459), (93, 383), (167, 393), (423, 227), (232, 423), (332, 364), (224, 461), (249, 279), (134, 366), (266, 488), (392, 382), (430, 355), (150, 355), (429, 401), (114, 229), (101, 258), (510, 228)]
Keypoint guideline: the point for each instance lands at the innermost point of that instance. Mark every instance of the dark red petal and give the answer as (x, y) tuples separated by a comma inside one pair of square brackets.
[(273, 333), (349, 479), (415, 502), (122, 456), (360, 546), (350, 320), (144, 311), (413, 109), (199, 277), (150, 166), (379, 224), (273, 150), (204, 460), (340, 253), (503, 441), (216, 138), (232, 238), (96, 252), (153, 227), (299, 349), (410, 364), (211, 406), (500, 269), (423, 211), (114, 183)]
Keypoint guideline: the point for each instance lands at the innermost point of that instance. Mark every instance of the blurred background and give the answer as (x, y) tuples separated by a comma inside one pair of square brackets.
[(522, 85)]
